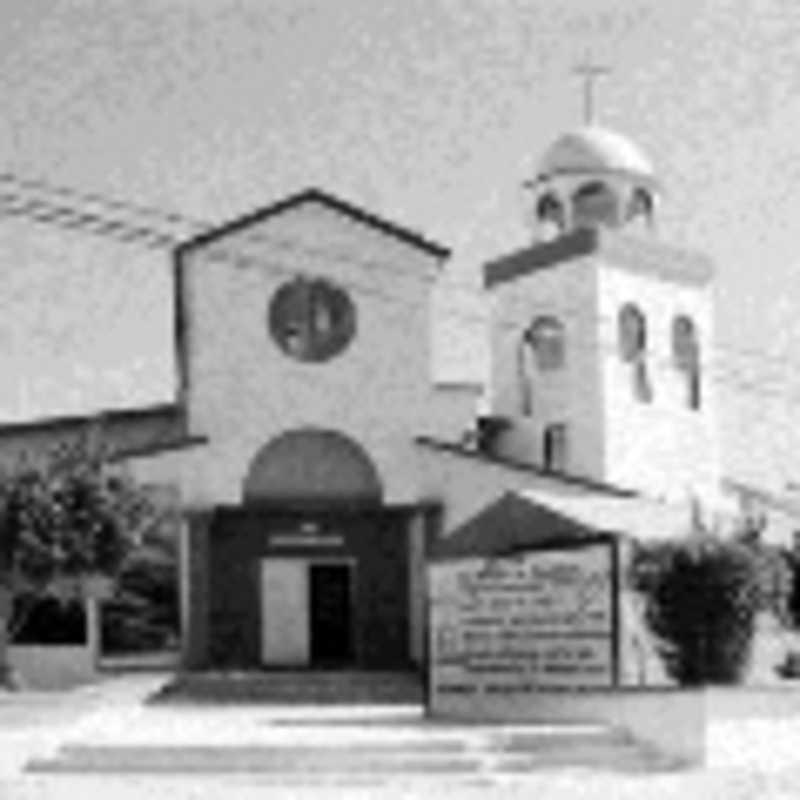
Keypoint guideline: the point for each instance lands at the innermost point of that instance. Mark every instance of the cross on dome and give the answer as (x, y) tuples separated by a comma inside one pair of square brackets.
[(589, 72), (591, 176)]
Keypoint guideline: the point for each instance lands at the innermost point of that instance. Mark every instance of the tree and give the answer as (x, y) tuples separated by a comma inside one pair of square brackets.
[(143, 615), (66, 527), (702, 598)]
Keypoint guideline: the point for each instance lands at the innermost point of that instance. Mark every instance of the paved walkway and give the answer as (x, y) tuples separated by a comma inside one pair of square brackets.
[(36, 723), (750, 759)]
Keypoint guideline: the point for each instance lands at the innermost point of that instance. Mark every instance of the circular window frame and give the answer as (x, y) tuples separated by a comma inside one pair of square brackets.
[(296, 304)]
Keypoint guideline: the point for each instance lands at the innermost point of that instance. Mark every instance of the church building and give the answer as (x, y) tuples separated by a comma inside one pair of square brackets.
[(316, 457)]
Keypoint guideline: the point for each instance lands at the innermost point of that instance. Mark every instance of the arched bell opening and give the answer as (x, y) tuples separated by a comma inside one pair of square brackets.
[(595, 204), (551, 215), (639, 211)]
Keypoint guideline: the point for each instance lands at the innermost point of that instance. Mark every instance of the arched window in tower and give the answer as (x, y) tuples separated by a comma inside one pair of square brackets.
[(594, 204), (640, 205), (686, 356), (550, 211), (546, 337), (524, 378), (632, 341), (632, 332), (541, 348), (554, 447)]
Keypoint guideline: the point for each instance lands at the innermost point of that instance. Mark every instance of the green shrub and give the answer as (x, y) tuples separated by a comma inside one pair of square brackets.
[(702, 598), (775, 578)]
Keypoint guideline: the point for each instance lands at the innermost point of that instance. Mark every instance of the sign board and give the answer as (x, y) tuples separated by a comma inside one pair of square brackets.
[(305, 540), (516, 624)]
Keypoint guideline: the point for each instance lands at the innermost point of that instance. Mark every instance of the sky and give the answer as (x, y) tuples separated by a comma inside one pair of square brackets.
[(429, 112)]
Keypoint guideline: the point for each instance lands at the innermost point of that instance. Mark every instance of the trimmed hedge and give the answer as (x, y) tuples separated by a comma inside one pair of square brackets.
[(702, 594)]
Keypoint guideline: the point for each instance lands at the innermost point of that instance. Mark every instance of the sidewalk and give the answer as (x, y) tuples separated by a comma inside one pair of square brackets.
[(35, 723), (176, 746)]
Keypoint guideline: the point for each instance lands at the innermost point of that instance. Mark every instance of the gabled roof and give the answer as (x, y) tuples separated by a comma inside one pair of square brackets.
[(168, 415), (511, 524), (314, 195), (122, 433)]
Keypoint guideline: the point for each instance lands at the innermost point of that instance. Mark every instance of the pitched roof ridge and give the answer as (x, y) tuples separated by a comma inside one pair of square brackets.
[(316, 194)]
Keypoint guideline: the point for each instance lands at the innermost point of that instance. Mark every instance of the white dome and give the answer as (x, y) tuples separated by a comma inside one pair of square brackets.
[(595, 150)]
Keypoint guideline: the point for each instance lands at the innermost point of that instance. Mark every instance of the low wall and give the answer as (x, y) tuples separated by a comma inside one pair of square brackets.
[(671, 720), (59, 666), (52, 667)]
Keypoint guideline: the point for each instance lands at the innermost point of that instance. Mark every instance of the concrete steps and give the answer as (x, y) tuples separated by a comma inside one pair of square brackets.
[(466, 753), (326, 728), (295, 687)]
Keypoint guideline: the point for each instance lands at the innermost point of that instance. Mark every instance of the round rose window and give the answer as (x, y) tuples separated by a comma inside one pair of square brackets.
[(311, 319)]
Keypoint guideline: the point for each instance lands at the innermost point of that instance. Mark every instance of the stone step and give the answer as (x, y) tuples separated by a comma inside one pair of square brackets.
[(452, 756), (295, 687), (335, 741)]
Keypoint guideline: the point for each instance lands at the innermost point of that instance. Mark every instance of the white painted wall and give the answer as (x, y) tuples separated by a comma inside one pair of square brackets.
[(57, 667), (47, 667), (569, 395), (663, 447), (244, 390), (452, 411), (467, 484)]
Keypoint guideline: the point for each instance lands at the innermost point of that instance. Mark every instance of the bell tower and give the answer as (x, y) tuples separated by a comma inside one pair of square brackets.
[(602, 333)]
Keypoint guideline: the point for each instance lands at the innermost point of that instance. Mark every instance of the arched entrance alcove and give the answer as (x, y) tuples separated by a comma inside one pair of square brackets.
[(312, 465), (313, 568)]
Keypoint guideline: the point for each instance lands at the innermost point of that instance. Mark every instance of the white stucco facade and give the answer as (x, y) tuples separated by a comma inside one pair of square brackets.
[(664, 445), (242, 390), (571, 394)]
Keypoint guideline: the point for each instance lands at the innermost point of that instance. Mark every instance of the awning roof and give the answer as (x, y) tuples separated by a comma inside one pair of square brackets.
[(511, 524), (538, 518)]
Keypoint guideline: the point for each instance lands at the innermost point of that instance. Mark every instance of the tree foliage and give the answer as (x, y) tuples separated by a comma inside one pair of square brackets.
[(65, 520), (703, 594), (775, 573), (143, 614)]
